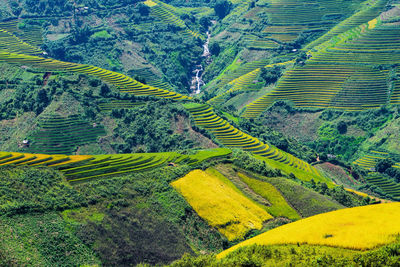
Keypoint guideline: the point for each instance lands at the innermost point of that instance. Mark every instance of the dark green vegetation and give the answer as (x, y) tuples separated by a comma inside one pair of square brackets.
[(61, 135), (301, 255), (150, 127), (28, 190), (99, 215), (41, 240)]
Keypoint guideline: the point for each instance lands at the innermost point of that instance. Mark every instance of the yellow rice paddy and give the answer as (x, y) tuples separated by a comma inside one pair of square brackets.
[(356, 228), (220, 203)]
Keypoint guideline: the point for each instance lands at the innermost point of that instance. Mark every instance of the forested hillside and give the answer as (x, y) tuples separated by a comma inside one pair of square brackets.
[(199, 133)]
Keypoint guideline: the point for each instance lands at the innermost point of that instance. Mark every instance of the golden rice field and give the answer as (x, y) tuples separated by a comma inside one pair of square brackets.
[(220, 203), (359, 228)]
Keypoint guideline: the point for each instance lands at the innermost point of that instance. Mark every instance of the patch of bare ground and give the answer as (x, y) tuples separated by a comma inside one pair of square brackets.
[(354, 131), (227, 36), (275, 222), (229, 173), (105, 141), (250, 55), (337, 174), (390, 14), (113, 22), (182, 126), (65, 105), (301, 126), (15, 130), (63, 27), (131, 59)]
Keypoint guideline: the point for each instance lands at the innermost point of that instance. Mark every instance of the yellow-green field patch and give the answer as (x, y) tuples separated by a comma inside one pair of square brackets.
[(356, 228), (220, 203), (279, 206)]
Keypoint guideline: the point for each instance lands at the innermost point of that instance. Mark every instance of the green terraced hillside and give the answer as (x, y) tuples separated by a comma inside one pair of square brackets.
[(388, 186), (123, 82), (62, 135), (230, 136), (244, 82), (85, 167), (342, 72), (168, 15), (119, 104)]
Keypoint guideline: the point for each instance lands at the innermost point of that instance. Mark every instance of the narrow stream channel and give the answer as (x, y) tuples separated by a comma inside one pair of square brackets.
[(197, 80)]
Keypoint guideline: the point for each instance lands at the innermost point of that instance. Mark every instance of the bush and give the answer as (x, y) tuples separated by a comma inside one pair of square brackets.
[(222, 8)]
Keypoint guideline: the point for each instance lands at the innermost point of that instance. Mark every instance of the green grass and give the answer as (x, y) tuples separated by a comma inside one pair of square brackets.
[(305, 201), (51, 223), (231, 117), (279, 206), (301, 174), (101, 35), (82, 215), (24, 189), (203, 155), (298, 255)]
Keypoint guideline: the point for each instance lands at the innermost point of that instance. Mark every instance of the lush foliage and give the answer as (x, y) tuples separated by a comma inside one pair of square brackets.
[(28, 190), (297, 255), (278, 205)]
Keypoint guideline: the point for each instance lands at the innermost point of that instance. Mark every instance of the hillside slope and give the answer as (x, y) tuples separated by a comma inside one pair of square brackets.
[(159, 132), (356, 228)]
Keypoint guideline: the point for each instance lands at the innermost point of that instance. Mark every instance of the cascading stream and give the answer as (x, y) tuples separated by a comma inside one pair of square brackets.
[(197, 80)]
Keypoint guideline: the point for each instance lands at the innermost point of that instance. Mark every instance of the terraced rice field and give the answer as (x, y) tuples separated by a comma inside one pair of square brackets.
[(168, 15), (15, 50), (242, 83), (121, 81), (289, 18), (11, 43), (78, 168), (378, 45), (255, 42), (371, 9), (230, 136), (395, 97), (327, 86), (239, 84), (62, 135), (369, 160), (220, 203), (31, 35), (241, 70), (284, 33), (340, 72), (151, 79), (387, 185), (120, 104), (360, 228)]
